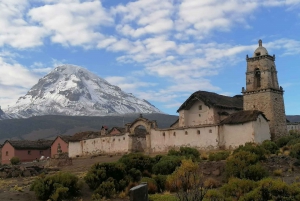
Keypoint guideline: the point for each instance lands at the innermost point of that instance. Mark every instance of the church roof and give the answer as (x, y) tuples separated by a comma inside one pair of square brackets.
[(120, 129), (213, 100), (243, 117)]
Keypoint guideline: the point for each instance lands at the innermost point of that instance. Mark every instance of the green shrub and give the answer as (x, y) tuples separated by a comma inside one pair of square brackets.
[(284, 140), (135, 175), (166, 165), (237, 187), (14, 160), (159, 197), (213, 195), (254, 149), (186, 152), (270, 146), (243, 165), (293, 141), (271, 189), (106, 189), (152, 185), (102, 172), (138, 161), (295, 151), (217, 156), (161, 182), (56, 187)]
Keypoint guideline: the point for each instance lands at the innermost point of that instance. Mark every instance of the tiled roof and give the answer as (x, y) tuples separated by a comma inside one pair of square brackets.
[(120, 129), (213, 100)]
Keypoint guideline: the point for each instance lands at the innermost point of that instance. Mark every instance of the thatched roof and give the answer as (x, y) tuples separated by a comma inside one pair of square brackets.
[(243, 117), (213, 100), (84, 135), (27, 144)]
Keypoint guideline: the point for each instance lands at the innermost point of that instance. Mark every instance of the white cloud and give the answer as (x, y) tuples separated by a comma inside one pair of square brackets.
[(128, 83), (72, 23), (15, 30)]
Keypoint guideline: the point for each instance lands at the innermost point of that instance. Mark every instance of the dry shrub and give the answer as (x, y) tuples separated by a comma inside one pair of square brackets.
[(122, 195), (152, 185), (129, 186), (211, 183), (277, 172)]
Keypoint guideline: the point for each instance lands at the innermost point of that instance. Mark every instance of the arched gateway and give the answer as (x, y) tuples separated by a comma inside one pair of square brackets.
[(140, 139)]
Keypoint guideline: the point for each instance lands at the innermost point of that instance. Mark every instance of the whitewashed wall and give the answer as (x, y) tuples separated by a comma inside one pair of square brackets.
[(75, 148), (164, 140), (262, 129), (106, 144), (237, 134)]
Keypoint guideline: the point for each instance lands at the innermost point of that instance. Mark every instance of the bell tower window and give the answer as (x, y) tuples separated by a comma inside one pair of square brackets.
[(257, 78)]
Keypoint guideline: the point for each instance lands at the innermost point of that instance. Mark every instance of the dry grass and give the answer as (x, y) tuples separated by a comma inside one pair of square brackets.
[(277, 173)]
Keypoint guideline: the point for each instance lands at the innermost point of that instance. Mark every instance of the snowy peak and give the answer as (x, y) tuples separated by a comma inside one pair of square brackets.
[(73, 90)]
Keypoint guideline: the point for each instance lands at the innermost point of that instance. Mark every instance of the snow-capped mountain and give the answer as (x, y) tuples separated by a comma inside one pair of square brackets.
[(74, 91)]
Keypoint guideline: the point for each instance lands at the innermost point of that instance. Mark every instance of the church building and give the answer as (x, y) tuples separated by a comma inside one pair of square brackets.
[(207, 120)]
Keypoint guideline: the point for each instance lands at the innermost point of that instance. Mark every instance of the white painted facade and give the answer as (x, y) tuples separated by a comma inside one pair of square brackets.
[(235, 135), (101, 145)]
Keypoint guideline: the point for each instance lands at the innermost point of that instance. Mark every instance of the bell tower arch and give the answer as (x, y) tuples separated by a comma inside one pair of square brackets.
[(263, 91)]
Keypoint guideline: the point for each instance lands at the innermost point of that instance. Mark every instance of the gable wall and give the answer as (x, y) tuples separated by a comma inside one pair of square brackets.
[(262, 129), (64, 146), (11, 153)]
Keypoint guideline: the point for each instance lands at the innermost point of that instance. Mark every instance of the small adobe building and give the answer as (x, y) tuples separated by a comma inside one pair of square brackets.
[(61, 143), (25, 150)]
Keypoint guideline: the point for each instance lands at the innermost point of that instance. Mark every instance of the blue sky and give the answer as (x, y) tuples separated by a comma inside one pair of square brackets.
[(161, 51)]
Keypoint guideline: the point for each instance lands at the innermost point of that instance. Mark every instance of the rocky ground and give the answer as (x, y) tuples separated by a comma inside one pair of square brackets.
[(17, 188)]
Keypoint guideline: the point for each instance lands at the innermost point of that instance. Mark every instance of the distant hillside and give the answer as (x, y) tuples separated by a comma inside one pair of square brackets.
[(50, 126), (293, 118)]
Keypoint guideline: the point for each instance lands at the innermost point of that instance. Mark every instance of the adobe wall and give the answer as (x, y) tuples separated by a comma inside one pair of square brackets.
[(11, 153), (64, 146), (75, 149), (262, 130), (24, 156), (235, 135), (164, 140), (272, 105), (101, 145)]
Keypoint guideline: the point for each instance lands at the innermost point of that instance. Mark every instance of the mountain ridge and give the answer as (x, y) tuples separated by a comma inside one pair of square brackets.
[(74, 91)]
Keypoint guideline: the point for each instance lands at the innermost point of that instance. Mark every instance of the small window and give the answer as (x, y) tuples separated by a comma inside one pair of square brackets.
[(257, 54), (6, 153), (186, 132), (164, 134), (200, 107), (199, 115), (29, 152), (114, 139), (210, 131), (198, 132), (41, 152), (103, 140), (123, 138), (174, 134)]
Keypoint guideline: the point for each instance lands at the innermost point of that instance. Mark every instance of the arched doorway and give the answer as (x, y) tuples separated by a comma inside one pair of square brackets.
[(140, 135)]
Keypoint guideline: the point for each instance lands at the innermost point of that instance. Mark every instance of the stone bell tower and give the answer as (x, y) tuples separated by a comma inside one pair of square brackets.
[(263, 92)]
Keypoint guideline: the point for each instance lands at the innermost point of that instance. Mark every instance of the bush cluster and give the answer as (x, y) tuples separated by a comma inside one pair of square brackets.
[(186, 152), (107, 179), (167, 164), (56, 187), (217, 156), (15, 160), (244, 164)]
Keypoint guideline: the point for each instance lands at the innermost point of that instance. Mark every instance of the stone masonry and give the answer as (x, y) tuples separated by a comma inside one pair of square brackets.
[(263, 92)]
